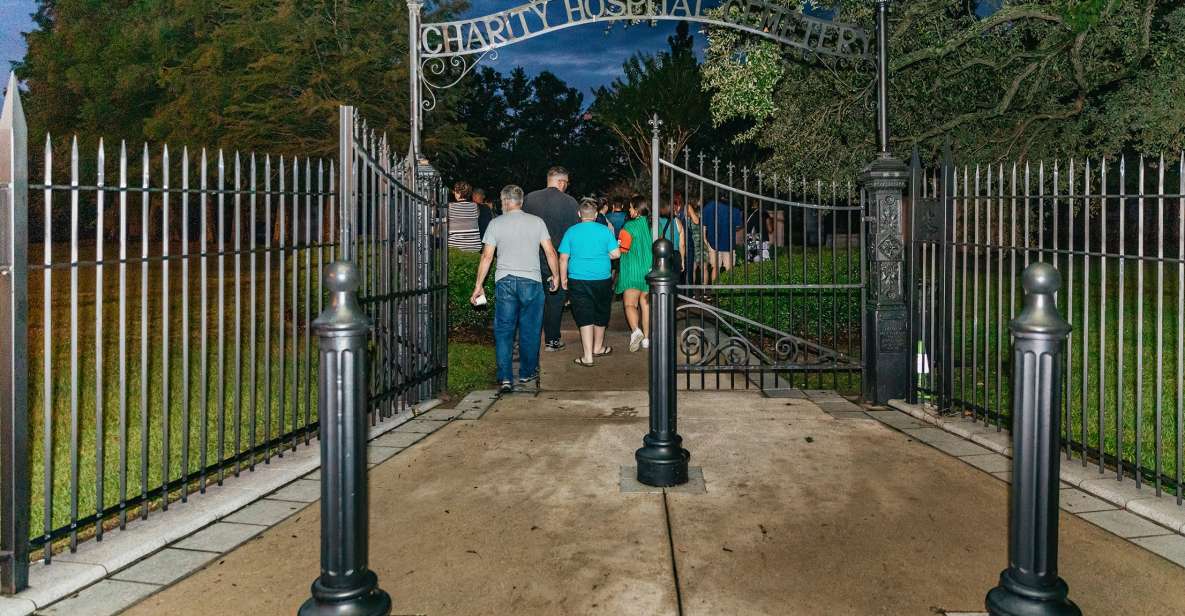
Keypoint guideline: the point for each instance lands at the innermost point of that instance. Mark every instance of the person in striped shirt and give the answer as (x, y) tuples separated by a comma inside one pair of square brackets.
[(462, 219)]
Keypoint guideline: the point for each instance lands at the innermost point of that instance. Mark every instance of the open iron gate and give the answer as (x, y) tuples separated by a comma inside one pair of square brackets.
[(787, 314)]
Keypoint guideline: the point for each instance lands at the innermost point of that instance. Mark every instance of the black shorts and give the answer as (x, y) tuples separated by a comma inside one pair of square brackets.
[(592, 301)]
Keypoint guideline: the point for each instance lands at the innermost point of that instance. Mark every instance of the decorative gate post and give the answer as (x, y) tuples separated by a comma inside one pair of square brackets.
[(1030, 585), (346, 585), (662, 460), (414, 11), (887, 350)]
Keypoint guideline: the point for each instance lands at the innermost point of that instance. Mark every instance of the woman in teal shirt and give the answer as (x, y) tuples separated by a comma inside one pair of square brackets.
[(586, 268)]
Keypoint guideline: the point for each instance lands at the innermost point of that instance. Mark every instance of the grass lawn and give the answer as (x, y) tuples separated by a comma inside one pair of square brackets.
[(111, 426), (470, 367)]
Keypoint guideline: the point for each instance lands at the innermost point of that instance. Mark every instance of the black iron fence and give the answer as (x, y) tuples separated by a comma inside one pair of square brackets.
[(157, 305), (1115, 230), (772, 288)]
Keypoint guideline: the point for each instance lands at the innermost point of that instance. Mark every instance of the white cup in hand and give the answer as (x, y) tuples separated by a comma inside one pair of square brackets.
[(480, 301)]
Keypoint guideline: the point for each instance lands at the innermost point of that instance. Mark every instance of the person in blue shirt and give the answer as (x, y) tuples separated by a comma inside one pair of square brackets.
[(721, 222), (586, 265)]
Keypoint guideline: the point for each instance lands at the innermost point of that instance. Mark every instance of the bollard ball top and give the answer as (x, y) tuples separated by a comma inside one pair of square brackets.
[(341, 277), (664, 248), (1041, 278)]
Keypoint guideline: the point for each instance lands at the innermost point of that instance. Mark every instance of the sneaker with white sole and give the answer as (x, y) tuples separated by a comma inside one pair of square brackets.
[(507, 387), (646, 343), (636, 340)]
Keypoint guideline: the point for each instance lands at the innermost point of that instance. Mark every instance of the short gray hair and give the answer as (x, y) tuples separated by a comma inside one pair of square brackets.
[(557, 172), (512, 194), (588, 209)]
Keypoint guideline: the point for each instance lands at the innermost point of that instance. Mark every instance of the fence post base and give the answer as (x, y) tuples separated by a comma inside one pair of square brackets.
[(662, 460), (887, 351)]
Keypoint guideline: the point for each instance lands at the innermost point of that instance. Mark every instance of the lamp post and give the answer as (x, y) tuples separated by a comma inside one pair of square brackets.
[(346, 586), (1030, 585), (887, 346), (662, 460)]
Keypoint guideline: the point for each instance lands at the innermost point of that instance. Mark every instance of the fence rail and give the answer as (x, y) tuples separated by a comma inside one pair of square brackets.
[(167, 296), (1115, 229)]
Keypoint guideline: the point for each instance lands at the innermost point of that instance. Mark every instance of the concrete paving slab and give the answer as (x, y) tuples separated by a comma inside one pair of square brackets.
[(806, 515), (958, 447), (1163, 510), (421, 426), (442, 414), (1114, 491), (398, 440), (695, 482), (784, 393), (301, 491), (849, 416), (896, 419), (378, 455), (1124, 523), (1077, 501), (1171, 547), (12, 606), (264, 512), (991, 462), (761, 541), (532, 523), (220, 537), (166, 566), (106, 598), (49, 583)]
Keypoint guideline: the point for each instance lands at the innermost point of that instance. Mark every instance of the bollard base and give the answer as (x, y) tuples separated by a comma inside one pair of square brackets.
[(662, 464), (365, 600), (1011, 598)]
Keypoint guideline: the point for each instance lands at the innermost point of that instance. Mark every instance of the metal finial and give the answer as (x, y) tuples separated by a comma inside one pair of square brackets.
[(655, 124)]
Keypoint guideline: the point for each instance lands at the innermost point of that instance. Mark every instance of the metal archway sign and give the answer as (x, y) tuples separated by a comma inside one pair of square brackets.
[(450, 50), (776, 22)]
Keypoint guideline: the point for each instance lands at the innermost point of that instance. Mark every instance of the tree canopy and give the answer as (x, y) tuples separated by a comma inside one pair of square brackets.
[(1001, 79), (526, 125), (244, 74)]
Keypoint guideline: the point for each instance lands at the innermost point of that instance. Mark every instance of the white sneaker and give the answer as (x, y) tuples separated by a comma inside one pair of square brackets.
[(635, 340), (646, 343)]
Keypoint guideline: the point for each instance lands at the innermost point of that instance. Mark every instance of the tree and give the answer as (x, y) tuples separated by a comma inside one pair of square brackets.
[(526, 125), (1037, 78), (669, 84), (263, 75)]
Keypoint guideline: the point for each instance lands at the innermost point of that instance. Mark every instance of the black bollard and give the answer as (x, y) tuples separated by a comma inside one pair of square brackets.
[(1030, 585), (662, 461), (346, 586)]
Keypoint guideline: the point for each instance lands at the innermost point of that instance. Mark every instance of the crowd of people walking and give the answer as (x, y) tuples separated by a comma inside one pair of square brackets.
[(550, 252)]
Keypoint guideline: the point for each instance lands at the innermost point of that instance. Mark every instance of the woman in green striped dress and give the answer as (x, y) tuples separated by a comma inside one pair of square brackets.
[(635, 240)]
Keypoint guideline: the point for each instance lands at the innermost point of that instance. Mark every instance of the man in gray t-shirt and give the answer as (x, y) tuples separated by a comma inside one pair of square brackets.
[(516, 238)]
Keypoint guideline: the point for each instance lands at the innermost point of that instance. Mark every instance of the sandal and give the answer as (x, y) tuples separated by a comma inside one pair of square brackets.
[(605, 351), (579, 361)]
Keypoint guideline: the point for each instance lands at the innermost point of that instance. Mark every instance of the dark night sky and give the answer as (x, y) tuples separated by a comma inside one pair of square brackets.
[(585, 56)]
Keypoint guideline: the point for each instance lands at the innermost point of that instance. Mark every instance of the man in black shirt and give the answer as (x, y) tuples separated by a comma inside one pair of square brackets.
[(558, 211)]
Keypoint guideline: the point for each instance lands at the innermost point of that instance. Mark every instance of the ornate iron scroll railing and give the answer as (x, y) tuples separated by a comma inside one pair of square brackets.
[(732, 348)]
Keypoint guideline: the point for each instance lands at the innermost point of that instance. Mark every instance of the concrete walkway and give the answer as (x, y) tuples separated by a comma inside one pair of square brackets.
[(806, 512)]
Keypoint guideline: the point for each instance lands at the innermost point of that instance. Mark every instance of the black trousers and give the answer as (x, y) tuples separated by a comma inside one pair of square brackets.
[(553, 314)]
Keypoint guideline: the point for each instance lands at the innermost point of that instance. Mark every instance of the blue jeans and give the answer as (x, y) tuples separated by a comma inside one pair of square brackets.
[(518, 304)]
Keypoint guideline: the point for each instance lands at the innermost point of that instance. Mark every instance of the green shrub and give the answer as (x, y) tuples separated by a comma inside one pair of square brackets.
[(462, 316)]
